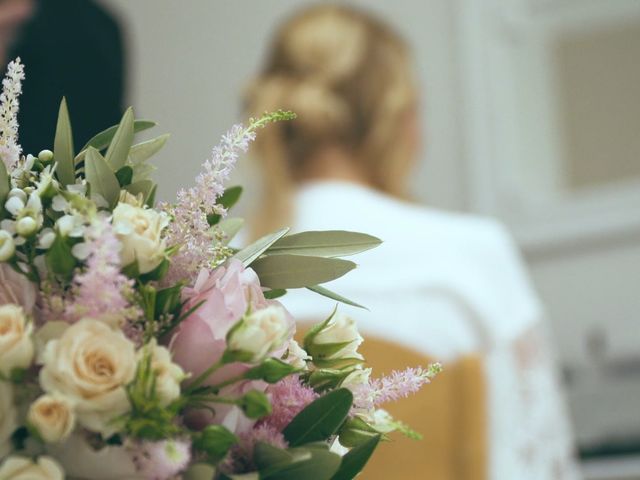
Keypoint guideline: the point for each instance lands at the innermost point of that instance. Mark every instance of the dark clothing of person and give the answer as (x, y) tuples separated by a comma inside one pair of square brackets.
[(70, 48)]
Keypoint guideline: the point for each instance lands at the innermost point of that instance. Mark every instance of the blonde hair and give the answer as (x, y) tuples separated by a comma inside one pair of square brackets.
[(348, 78)]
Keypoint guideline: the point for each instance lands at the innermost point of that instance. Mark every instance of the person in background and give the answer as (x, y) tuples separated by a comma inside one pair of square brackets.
[(442, 286), (70, 48)]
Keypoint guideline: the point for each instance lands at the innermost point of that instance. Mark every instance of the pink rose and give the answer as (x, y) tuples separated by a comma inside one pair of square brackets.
[(16, 288), (200, 340)]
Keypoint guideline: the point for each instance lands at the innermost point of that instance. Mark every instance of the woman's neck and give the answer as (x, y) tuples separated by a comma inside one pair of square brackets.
[(333, 164)]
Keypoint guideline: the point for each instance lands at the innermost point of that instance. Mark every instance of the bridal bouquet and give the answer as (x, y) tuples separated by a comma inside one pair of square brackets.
[(136, 343)]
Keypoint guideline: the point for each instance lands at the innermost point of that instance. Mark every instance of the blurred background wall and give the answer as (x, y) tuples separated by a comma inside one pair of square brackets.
[(531, 113)]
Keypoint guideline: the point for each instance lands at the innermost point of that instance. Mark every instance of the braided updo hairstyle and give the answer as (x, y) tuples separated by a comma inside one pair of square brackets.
[(348, 77)]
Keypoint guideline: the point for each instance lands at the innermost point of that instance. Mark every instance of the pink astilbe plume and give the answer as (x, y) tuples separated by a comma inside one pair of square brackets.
[(189, 228), (400, 384), (10, 150), (100, 290), (288, 398), (240, 459)]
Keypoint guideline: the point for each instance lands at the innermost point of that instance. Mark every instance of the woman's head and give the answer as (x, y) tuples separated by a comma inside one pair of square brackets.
[(348, 77)]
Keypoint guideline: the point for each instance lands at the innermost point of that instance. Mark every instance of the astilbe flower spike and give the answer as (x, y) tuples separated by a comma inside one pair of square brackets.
[(10, 150), (189, 228)]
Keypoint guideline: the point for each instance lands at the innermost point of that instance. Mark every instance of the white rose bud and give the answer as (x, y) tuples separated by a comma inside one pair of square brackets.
[(358, 377), (169, 375), (8, 418), (140, 232), (7, 246), (341, 329), (16, 345), (260, 333), (53, 417), (91, 364), (296, 356), (22, 468)]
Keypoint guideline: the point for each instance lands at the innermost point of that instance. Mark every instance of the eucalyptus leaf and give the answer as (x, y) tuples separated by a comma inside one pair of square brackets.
[(320, 419), (118, 150), (230, 228), (329, 243), (356, 459), (103, 139), (252, 252), (298, 271), (145, 150), (100, 176), (325, 292), (63, 147)]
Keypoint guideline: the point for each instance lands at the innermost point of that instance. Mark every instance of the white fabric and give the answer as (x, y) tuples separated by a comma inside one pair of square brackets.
[(446, 285)]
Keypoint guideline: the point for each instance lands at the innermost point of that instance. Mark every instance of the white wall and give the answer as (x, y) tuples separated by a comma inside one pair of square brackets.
[(189, 61)]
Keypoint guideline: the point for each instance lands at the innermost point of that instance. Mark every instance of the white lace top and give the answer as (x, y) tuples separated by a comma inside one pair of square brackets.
[(447, 285)]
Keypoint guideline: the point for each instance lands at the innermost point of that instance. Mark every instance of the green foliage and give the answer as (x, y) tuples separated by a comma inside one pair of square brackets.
[(252, 252), (355, 460), (101, 178), (355, 432), (274, 293), (320, 419), (5, 187), (149, 419), (329, 243), (124, 175), (59, 258), (255, 404), (63, 147), (103, 139), (312, 462), (118, 150), (325, 292), (271, 370), (229, 228), (298, 271), (214, 441), (143, 151)]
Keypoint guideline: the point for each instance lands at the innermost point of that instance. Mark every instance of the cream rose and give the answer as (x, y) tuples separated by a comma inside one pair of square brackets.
[(16, 345), (53, 417), (296, 356), (340, 330), (7, 246), (261, 332), (21, 468), (8, 418), (168, 374), (91, 364), (140, 232)]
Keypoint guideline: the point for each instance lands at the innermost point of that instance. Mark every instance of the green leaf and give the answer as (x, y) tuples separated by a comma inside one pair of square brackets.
[(145, 187), (124, 175), (249, 254), (59, 258), (119, 146), (201, 471), (5, 186), (355, 432), (266, 456), (103, 139), (320, 419), (230, 228), (215, 441), (63, 147), (297, 271), (276, 293), (325, 292), (145, 150), (355, 460), (168, 299), (101, 178), (151, 198), (255, 404), (314, 464), (330, 243), (271, 370), (228, 199)]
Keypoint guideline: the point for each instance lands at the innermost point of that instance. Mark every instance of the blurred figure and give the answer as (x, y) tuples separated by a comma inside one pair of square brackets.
[(442, 286), (70, 48)]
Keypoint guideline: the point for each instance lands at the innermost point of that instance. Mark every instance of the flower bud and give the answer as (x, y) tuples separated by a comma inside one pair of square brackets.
[(334, 342), (26, 226), (7, 246), (215, 441), (271, 370), (15, 204), (45, 156), (255, 404), (18, 193), (259, 333)]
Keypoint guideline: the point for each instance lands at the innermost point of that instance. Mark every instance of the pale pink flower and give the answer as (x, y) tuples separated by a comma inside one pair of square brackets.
[(161, 460)]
